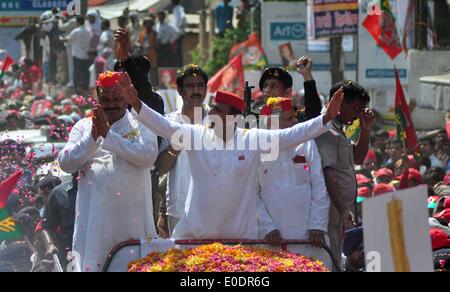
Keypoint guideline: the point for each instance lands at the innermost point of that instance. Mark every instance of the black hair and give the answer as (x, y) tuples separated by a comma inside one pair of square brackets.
[(352, 91), (395, 141), (434, 174), (49, 182), (191, 70), (122, 20), (106, 24), (80, 20), (234, 111), (429, 140), (382, 133), (162, 14)]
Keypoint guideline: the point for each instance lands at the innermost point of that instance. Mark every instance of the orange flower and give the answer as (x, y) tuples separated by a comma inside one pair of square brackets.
[(108, 79)]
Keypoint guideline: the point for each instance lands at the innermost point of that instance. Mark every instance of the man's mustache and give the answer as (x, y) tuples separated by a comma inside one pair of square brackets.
[(111, 109), (197, 96)]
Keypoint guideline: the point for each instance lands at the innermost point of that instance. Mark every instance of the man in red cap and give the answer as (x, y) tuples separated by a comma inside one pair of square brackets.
[(410, 178), (224, 162), (293, 190), (447, 179), (383, 189), (443, 215), (439, 239), (112, 153), (384, 176)]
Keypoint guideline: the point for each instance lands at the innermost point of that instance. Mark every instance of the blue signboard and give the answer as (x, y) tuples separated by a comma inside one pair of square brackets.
[(385, 73), (30, 5), (288, 31)]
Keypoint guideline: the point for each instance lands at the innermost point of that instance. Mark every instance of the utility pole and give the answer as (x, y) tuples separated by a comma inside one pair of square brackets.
[(84, 7), (421, 29), (337, 68)]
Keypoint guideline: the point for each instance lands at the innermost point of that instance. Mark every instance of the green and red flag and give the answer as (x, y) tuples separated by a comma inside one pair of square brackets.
[(352, 132), (6, 64), (9, 229), (251, 51), (381, 25), (405, 127)]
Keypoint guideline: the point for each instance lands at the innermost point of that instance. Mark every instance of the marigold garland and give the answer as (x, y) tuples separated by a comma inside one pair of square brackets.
[(221, 258)]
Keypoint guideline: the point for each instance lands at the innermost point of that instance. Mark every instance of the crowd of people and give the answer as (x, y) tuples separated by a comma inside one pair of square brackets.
[(75, 49), (129, 172)]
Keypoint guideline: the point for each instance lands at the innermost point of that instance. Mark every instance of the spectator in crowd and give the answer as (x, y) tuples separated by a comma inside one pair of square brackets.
[(353, 249), (394, 151), (59, 218), (224, 16), (179, 23), (94, 27), (148, 44), (427, 148), (135, 29), (79, 40), (166, 37), (106, 37)]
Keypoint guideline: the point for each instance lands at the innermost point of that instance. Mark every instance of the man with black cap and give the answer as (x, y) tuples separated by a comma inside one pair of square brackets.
[(354, 250), (277, 82), (138, 68), (223, 160)]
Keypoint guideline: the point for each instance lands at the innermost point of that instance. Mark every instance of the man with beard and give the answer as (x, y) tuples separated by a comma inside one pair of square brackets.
[(113, 153)]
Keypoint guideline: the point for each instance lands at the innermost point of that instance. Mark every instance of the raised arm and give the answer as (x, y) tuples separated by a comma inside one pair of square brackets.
[(309, 130), (178, 134), (313, 105), (80, 148)]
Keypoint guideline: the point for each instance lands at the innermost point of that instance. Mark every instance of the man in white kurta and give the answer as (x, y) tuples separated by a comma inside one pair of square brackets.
[(222, 197), (293, 191), (114, 202)]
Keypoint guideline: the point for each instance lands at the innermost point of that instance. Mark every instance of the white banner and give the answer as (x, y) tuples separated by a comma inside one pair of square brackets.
[(396, 232), (375, 68)]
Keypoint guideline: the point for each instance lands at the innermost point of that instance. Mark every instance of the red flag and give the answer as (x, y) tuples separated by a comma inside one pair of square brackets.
[(251, 51), (7, 186), (230, 78), (382, 28), (7, 62), (405, 127)]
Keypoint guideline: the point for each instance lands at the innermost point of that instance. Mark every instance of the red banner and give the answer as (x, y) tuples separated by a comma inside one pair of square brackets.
[(230, 78)]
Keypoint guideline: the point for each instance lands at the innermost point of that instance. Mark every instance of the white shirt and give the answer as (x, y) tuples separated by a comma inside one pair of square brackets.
[(106, 41), (222, 196), (172, 100), (179, 18), (114, 201), (166, 33), (79, 40), (294, 193), (179, 176)]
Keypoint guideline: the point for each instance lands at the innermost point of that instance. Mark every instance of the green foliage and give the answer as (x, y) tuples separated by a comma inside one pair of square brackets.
[(221, 48)]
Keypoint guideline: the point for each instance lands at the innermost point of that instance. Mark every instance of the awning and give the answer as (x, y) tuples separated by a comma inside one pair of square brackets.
[(115, 10), (435, 92)]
